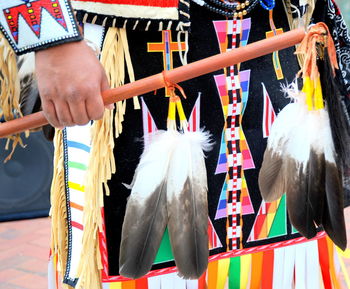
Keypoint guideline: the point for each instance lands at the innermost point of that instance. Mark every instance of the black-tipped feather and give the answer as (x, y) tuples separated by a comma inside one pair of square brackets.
[(143, 229), (333, 217), (340, 125), (316, 185), (146, 212), (188, 207), (299, 208)]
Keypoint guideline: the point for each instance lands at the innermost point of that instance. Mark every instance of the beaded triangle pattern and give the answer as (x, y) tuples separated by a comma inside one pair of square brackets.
[(32, 24)]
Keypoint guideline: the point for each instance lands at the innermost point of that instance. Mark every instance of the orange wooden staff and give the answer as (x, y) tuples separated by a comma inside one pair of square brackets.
[(176, 75)]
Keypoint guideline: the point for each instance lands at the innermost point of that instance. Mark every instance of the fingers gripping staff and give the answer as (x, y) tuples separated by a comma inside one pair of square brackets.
[(169, 188)]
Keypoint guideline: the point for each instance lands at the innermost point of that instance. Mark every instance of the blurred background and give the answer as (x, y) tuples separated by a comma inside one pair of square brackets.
[(345, 8)]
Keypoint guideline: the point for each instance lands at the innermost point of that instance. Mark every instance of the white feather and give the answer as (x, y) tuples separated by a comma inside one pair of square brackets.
[(154, 163), (189, 152), (187, 204), (146, 212), (297, 130)]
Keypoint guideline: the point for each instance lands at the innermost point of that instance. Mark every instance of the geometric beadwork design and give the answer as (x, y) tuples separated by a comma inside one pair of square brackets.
[(31, 13), (35, 24), (167, 47), (234, 155), (271, 221), (269, 114)]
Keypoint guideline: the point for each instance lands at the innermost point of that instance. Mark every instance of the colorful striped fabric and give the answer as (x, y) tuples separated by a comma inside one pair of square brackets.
[(235, 155), (271, 221), (293, 266), (77, 144), (194, 119)]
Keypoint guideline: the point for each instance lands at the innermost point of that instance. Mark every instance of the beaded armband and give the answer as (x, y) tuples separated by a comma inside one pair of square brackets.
[(31, 25)]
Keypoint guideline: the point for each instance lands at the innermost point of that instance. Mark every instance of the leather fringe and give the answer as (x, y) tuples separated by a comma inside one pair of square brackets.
[(9, 91), (114, 52), (114, 55), (311, 264)]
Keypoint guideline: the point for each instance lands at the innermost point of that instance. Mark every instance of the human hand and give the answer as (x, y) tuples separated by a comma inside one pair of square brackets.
[(70, 81)]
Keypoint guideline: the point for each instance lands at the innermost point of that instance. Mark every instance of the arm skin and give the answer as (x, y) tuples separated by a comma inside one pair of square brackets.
[(70, 80)]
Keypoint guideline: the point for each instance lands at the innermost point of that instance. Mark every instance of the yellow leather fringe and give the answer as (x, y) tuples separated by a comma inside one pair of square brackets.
[(115, 54), (9, 91)]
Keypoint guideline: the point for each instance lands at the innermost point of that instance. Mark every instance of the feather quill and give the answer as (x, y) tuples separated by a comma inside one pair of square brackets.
[(187, 204), (146, 212)]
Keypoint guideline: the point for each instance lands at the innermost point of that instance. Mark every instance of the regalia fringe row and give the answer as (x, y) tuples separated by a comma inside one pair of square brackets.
[(9, 91), (102, 163), (296, 264)]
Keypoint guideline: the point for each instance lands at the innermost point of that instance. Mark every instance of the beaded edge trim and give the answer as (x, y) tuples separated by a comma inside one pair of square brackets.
[(66, 279), (139, 24)]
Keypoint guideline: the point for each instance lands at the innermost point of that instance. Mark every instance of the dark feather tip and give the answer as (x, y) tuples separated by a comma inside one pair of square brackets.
[(299, 208), (316, 185), (333, 218)]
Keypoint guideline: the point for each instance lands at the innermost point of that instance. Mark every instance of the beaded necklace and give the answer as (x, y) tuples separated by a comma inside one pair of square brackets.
[(236, 9)]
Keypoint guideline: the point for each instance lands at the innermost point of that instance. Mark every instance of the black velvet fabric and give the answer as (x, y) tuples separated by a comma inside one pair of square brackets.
[(202, 43)]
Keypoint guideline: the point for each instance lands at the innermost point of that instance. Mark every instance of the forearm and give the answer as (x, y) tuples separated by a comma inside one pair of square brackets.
[(37, 24)]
